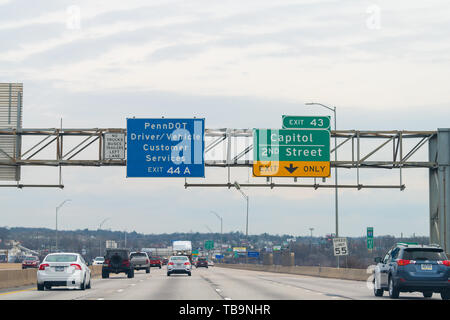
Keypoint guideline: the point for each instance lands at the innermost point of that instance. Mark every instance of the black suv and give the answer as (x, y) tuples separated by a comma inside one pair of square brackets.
[(201, 262), (410, 267), (117, 261)]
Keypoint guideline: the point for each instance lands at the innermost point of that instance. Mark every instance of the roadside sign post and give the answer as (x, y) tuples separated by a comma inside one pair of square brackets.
[(165, 148)]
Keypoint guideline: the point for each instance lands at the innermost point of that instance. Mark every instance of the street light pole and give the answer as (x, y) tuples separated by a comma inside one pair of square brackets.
[(56, 223), (221, 229), (335, 167), (100, 240), (238, 188)]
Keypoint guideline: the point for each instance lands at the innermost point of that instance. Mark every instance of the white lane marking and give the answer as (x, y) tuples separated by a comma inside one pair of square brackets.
[(101, 299), (227, 298), (133, 284), (218, 290), (120, 290)]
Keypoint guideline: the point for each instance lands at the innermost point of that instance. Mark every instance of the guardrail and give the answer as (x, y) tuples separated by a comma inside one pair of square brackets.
[(18, 278), (326, 272)]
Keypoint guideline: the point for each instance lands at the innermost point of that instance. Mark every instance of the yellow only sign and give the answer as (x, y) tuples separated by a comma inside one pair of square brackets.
[(319, 169)]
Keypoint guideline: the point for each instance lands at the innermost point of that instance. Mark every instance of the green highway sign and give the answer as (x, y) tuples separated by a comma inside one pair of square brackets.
[(291, 145), (306, 122), (370, 238), (209, 245), (291, 153)]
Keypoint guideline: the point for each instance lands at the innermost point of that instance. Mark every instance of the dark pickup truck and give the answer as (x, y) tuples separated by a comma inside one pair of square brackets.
[(117, 261)]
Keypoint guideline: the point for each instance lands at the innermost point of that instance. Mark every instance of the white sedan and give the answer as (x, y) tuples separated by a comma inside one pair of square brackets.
[(98, 261), (63, 269)]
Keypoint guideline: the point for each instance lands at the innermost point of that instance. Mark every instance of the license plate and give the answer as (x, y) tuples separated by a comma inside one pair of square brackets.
[(426, 267), (59, 269)]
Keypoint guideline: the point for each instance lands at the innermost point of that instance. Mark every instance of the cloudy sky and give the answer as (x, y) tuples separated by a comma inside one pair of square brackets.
[(238, 64)]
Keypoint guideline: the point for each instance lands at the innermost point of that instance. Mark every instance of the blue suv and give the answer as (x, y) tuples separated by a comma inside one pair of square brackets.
[(410, 267)]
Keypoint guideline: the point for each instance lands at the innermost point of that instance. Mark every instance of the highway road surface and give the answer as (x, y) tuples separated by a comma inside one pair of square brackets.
[(214, 283)]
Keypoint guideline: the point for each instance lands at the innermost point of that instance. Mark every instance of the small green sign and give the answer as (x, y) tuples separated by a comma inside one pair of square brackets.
[(306, 122), (370, 238)]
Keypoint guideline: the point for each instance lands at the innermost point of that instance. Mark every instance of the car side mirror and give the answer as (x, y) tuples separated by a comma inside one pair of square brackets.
[(377, 259)]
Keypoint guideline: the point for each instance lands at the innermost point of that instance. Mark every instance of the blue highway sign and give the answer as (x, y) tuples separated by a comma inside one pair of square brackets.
[(165, 148), (253, 254)]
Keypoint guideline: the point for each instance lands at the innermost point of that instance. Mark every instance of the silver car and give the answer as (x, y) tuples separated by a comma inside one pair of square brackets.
[(63, 269), (179, 264)]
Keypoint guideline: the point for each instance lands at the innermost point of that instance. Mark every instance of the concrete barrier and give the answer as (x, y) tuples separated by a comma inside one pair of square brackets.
[(326, 272), (19, 278), (9, 266)]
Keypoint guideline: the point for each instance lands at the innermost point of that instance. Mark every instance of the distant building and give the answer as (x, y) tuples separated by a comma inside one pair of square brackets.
[(111, 244)]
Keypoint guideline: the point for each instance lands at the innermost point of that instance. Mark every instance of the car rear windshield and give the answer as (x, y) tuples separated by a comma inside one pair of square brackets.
[(61, 258), (121, 253), (179, 258), (31, 258), (138, 254), (424, 254), (155, 258), (201, 259), (99, 259)]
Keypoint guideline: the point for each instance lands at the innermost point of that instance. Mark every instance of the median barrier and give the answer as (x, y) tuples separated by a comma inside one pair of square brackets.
[(326, 272)]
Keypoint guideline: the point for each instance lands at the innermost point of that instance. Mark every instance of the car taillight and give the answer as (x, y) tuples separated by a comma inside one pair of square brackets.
[(106, 262), (186, 263), (170, 263), (43, 266), (403, 262), (126, 263), (147, 261), (77, 266), (445, 262)]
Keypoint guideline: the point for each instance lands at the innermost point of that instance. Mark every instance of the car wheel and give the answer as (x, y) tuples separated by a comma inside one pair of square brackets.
[(377, 292), (160, 267), (105, 275), (168, 274), (131, 274), (427, 294), (89, 284), (48, 287), (393, 290), (189, 274), (40, 287), (445, 295), (83, 285), (147, 270)]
